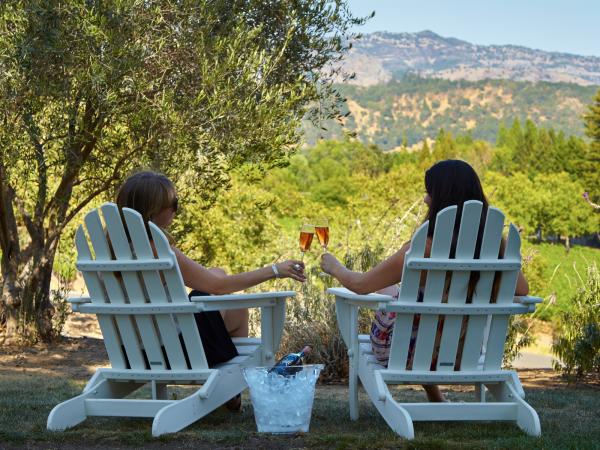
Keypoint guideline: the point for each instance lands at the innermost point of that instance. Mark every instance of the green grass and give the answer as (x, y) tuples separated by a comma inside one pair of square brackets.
[(568, 416), (562, 272)]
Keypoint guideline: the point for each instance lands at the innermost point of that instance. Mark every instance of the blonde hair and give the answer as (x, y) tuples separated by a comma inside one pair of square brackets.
[(148, 193)]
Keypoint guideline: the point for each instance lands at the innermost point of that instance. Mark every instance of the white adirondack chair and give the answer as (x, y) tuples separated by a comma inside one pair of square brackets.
[(141, 314), (485, 333)]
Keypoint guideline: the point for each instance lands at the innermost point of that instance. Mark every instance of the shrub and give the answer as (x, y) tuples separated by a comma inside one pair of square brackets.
[(517, 338), (577, 347)]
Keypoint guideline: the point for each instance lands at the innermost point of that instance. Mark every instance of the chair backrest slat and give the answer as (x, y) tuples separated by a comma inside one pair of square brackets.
[(133, 288), (155, 289), (176, 289), (125, 324), (108, 327), (409, 291), (434, 289), (499, 323), (457, 294), (476, 326)]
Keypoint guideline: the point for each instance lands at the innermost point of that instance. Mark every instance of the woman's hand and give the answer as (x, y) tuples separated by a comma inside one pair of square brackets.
[(329, 263), (291, 269)]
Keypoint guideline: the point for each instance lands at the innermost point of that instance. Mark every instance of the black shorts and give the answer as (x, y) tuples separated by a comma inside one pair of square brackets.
[(218, 346)]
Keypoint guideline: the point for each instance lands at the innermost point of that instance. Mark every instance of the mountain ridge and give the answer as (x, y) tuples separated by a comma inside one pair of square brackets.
[(379, 57)]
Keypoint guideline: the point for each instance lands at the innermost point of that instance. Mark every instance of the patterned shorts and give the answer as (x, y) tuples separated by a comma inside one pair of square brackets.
[(382, 329)]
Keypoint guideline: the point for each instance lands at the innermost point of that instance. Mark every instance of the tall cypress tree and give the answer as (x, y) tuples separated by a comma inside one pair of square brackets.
[(590, 165)]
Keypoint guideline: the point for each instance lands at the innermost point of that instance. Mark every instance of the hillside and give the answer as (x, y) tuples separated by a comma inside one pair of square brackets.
[(416, 108), (379, 57)]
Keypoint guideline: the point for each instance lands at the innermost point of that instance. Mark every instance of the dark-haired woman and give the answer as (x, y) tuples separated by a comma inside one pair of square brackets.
[(450, 182)]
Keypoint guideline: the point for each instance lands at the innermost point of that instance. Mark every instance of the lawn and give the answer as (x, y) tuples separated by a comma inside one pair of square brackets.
[(562, 273), (568, 413)]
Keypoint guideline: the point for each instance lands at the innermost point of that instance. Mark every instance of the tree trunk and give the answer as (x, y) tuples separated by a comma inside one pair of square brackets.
[(26, 298), (11, 301)]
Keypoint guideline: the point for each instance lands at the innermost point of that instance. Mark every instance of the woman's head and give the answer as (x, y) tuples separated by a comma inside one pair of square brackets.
[(451, 182), (152, 195)]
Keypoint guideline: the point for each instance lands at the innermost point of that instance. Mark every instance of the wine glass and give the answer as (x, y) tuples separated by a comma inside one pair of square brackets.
[(307, 232), (322, 232)]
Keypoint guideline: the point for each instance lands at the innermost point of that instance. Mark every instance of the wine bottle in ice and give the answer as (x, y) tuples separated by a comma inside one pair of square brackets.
[(288, 365)]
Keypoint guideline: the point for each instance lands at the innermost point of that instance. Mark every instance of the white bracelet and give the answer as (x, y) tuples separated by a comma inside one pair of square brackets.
[(275, 271)]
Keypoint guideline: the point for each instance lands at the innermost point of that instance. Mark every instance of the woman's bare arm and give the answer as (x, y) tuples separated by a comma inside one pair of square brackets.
[(384, 274), (198, 277), (522, 285)]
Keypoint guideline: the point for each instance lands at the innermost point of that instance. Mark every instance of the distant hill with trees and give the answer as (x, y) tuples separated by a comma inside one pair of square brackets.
[(403, 112)]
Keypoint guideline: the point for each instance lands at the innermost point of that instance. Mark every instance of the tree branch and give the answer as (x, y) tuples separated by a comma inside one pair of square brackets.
[(42, 169), (29, 223)]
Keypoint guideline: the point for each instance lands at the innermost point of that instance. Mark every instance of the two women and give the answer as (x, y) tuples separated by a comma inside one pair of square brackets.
[(447, 183)]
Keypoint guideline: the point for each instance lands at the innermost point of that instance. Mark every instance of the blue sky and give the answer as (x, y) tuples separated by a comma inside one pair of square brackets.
[(571, 26)]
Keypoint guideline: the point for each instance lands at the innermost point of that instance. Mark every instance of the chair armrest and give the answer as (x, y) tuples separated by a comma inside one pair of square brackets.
[(77, 301), (526, 300), (371, 301), (236, 301)]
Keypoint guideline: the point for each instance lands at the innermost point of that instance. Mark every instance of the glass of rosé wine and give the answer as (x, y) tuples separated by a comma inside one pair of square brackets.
[(307, 233)]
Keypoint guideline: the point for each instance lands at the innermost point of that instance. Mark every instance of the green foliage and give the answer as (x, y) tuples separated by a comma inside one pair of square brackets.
[(239, 232), (578, 344), (591, 163), (90, 91), (547, 203), (517, 338)]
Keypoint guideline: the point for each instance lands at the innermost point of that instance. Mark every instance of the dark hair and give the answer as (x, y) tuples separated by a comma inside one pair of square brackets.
[(148, 193), (453, 182)]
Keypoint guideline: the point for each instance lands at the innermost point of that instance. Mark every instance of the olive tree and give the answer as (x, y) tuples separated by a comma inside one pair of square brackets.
[(90, 90)]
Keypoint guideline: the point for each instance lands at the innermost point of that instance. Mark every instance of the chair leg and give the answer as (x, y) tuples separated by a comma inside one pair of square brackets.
[(67, 414), (354, 362), (159, 390), (395, 415), (480, 392), (184, 412), (353, 391), (526, 417), (72, 412)]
